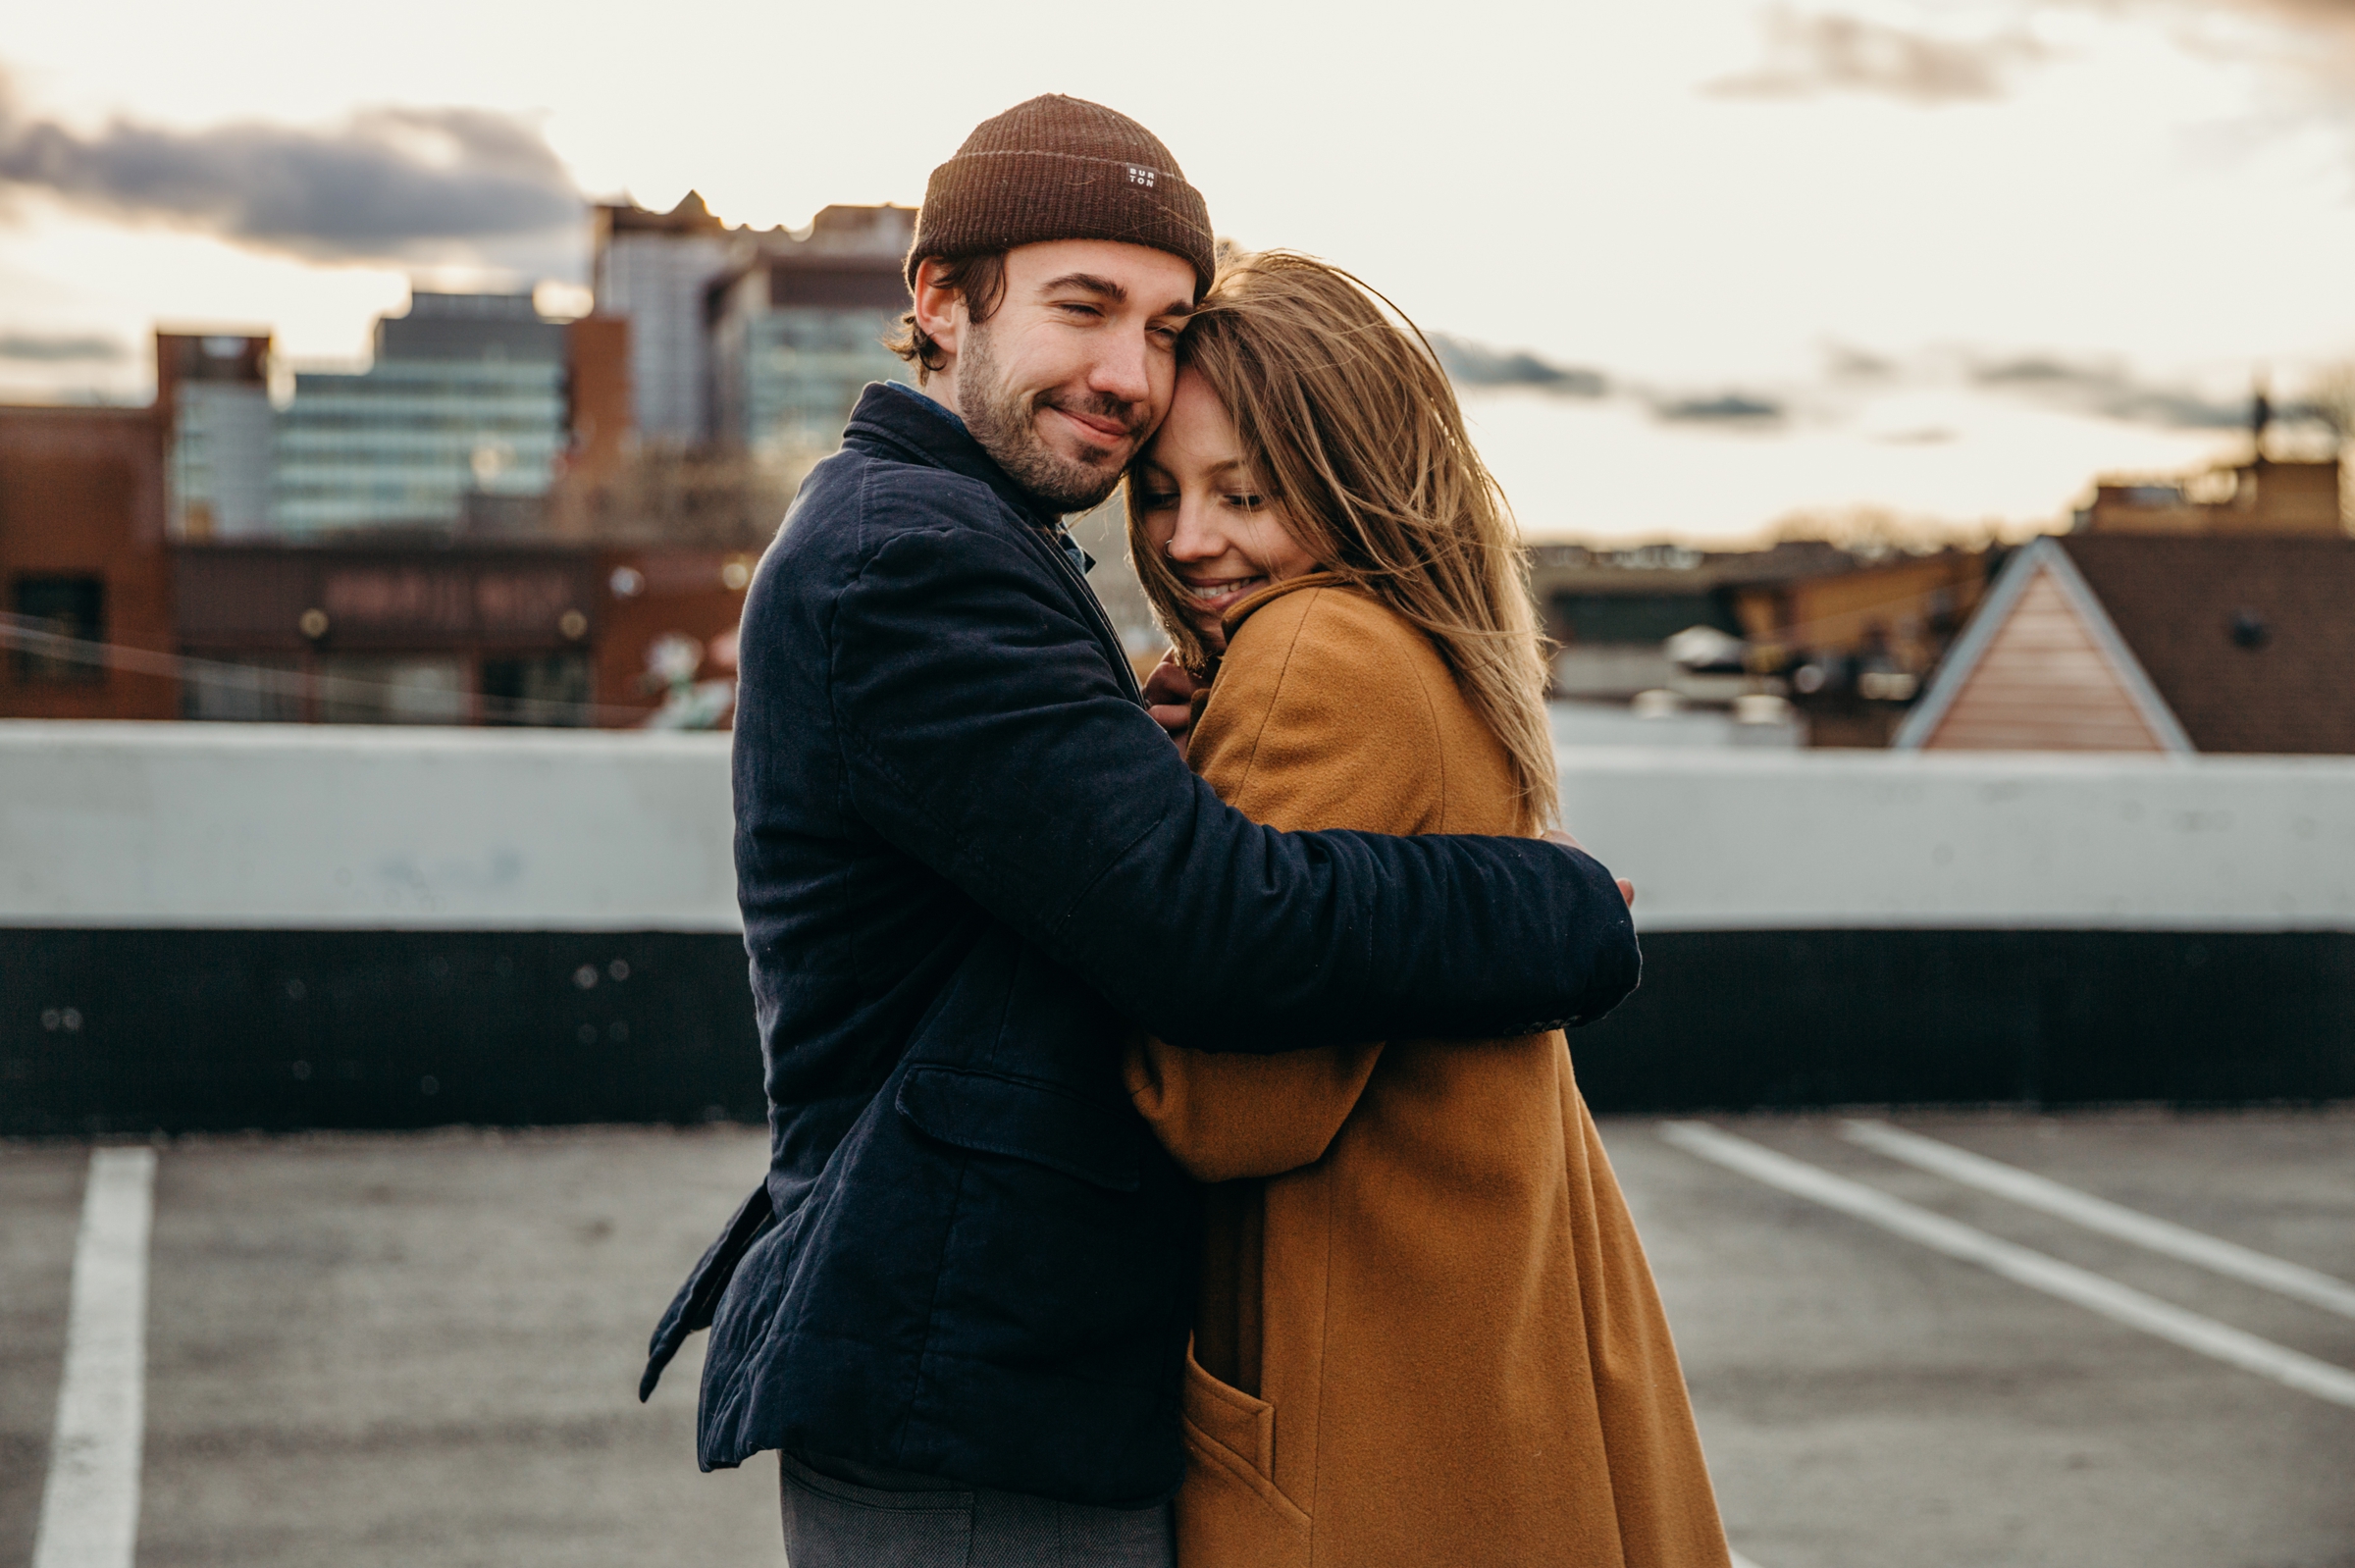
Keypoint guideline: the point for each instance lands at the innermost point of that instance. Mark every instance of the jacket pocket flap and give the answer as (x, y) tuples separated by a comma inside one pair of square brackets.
[(1231, 1418), (1025, 1120)]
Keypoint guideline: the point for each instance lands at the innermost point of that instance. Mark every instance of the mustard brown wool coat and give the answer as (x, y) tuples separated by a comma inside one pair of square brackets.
[(1427, 1333)]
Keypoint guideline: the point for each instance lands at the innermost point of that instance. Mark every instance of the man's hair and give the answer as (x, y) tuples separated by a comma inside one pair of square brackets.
[(1351, 428), (981, 280)]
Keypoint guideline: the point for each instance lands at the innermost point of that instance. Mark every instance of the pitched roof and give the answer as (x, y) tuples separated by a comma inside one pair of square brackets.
[(2250, 641), (2219, 643), (2041, 668)]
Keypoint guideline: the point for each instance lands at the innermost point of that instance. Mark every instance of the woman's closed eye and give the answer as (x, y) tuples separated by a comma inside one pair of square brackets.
[(1245, 500)]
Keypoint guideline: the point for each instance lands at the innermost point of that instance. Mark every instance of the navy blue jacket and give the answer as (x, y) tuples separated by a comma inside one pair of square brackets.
[(969, 865)]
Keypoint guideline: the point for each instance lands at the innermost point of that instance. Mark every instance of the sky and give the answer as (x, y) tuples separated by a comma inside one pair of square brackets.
[(1772, 267)]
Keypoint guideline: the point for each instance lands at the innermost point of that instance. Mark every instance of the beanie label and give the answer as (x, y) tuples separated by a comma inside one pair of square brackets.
[(1140, 176)]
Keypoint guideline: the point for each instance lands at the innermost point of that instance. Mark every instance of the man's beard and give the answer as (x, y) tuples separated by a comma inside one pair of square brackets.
[(1005, 424)]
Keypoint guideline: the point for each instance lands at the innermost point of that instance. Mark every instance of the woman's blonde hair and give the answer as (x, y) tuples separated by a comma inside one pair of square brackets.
[(1349, 426)]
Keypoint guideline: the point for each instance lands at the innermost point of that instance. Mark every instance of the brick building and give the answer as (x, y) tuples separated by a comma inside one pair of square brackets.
[(111, 616), (82, 563)]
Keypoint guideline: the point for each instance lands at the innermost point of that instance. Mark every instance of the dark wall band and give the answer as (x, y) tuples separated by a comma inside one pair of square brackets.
[(183, 1031)]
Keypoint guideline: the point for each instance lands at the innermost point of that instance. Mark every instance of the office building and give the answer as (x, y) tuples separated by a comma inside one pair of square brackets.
[(751, 338), (797, 329), (653, 268), (457, 424), (212, 391)]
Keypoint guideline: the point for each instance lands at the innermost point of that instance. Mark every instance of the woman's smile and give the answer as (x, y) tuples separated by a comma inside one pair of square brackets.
[(1218, 595)]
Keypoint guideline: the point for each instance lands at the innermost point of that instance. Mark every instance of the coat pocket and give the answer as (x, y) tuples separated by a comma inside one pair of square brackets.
[(1024, 1120), (1230, 1512)]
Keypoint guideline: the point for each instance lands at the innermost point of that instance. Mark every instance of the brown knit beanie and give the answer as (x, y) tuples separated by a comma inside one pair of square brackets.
[(1060, 168)]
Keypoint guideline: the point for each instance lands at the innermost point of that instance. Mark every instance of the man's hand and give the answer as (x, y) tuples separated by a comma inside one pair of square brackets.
[(1170, 697), (1554, 835)]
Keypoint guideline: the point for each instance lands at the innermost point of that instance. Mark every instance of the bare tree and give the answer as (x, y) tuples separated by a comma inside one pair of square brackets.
[(2329, 398), (721, 499)]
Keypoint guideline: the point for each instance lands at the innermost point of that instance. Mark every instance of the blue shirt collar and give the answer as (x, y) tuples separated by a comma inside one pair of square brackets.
[(934, 404)]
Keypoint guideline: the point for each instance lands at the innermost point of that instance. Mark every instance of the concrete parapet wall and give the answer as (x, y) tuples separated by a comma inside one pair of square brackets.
[(156, 826), (1761, 840), (220, 926), (291, 827)]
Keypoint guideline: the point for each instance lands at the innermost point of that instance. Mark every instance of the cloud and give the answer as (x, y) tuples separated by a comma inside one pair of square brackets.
[(2107, 390), (1845, 363), (1471, 364), (1812, 53), (388, 183), (45, 350), (1726, 409), (2327, 22)]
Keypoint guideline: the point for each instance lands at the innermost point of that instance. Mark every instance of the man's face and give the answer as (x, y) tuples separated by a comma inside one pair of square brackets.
[(1073, 371)]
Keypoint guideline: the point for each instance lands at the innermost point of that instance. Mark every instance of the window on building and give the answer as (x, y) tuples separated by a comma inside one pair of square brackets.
[(395, 689), (1636, 617), (71, 608), (551, 690), (253, 690)]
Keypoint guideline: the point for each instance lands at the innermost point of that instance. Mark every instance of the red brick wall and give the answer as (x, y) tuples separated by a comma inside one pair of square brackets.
[(81, 494), (599, 395), (677, 589)]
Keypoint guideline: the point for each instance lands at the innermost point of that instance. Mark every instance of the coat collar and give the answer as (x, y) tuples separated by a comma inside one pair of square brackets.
[(1242, 608), (890, 423)]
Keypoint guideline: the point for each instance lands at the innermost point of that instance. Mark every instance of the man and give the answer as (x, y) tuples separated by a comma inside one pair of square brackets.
[(971, 864)]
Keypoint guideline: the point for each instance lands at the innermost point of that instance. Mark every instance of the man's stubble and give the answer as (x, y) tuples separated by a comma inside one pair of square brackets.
[(1005, 421)]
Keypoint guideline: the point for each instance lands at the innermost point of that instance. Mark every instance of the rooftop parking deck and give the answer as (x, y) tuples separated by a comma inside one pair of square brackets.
[(423, 1348)]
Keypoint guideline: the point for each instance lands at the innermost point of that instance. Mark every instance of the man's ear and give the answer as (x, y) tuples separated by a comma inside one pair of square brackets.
[(939, 310)]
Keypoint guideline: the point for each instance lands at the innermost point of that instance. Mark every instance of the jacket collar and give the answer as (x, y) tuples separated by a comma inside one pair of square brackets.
[(1237, 612), (892, 424)]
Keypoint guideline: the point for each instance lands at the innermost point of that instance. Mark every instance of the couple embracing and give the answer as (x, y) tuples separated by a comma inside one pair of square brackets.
[(1174, 1153)]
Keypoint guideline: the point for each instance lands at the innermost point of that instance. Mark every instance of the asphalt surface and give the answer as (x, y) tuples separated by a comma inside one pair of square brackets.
[(424, 1350)]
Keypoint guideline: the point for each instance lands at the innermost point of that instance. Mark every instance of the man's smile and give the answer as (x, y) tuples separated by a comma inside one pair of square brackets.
[(1095, 429)]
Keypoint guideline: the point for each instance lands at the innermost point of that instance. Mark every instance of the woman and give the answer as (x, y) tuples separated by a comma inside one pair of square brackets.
[(1427, 1332)]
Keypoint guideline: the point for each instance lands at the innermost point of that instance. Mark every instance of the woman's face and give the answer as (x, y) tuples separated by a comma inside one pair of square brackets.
[(1202, 511)]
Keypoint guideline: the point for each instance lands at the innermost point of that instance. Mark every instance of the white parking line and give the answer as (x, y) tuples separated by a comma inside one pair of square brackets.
[(90, 1506), (2291, 1368), (2309, 1285)]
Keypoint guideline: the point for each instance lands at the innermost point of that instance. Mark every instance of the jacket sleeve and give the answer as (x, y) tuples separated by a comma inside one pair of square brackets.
[(986, 734)]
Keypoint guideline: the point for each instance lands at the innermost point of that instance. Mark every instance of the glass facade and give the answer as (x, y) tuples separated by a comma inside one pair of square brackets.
[(221, 461), (549, 688), (394, 689), (252, 689), (407, 441), (804, 367), (658, 279)]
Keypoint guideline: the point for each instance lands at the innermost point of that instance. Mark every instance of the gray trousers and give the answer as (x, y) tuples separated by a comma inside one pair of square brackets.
[(831, 1523)]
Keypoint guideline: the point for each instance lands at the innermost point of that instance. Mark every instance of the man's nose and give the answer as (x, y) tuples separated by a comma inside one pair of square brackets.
[(1122, 369)]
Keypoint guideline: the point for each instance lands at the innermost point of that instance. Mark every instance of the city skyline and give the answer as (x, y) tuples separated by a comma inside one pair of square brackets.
[(1943, 260)]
